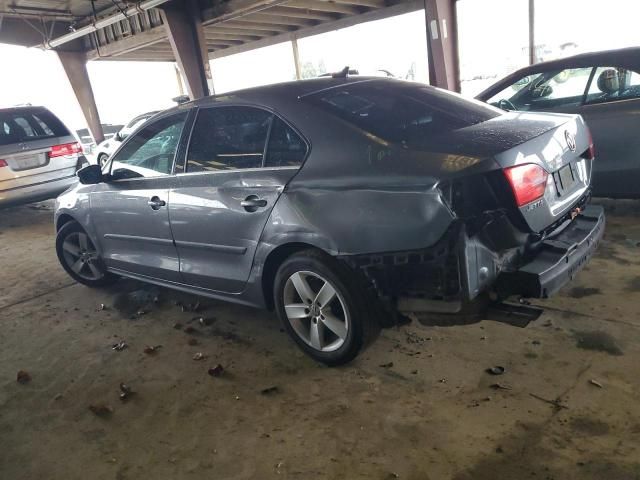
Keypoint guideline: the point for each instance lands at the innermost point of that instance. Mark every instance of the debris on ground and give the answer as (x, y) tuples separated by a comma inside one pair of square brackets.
[(500, 386), (119, 346), (497, 370), (204, 321), (195, 307), (536, 342), (141, 312), (125, 392), (216, 371), (101, 307), (150, 350), (199, 356), (101, 410), (596, 383), (177, 326), (190, 330), (23, 377), (387, 365), (556, 402), (598, 341), (270, 390), (193, 342), (58, 397)]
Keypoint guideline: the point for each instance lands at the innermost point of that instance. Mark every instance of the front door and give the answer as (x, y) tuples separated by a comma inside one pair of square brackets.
[(611, 111), (131, 209), (225, 197)]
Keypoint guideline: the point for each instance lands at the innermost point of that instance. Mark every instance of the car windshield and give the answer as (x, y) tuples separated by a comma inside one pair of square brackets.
[(409, 114), (25, 125)]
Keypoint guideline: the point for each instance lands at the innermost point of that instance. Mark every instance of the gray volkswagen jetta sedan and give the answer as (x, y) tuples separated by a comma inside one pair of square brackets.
[(339, 202)]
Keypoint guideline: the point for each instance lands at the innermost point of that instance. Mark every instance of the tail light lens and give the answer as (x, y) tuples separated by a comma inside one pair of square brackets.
[(590, 153), (3, 163), (528, 182), (65, 149)]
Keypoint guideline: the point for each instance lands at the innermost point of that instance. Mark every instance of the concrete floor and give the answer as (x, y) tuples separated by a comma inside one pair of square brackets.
[(431, 415)]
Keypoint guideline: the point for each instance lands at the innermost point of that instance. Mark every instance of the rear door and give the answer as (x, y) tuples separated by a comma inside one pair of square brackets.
[(239, 160), (35, 147), (612, 115), (131, 210)]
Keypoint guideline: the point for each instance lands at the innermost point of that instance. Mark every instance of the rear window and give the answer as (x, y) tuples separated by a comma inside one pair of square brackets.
[(408, 114), (26, 125)]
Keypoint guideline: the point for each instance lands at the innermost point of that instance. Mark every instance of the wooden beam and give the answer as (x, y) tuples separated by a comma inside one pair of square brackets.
[(236, 36), (398, 9), (302, 13), (279, 20), (258, 26), (440, 17), (321, 6), (296, 57), (364, 3), (235, 29), (231, 9)]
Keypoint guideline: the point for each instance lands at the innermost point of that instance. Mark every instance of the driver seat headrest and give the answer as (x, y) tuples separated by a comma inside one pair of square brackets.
[(609, 81)]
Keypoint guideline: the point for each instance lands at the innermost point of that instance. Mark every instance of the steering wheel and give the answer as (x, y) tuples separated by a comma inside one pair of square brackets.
[(505, 104)]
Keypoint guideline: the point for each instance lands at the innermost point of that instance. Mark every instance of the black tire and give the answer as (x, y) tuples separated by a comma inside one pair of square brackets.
[(68, 231), (362, 326)]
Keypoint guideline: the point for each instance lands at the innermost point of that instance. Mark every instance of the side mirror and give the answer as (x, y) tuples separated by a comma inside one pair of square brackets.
[(90, 175)]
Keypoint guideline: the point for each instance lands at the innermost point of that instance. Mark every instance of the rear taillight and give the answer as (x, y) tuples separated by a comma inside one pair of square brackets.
[(65, 149), (589, 153), (3, 163), (528, 182)]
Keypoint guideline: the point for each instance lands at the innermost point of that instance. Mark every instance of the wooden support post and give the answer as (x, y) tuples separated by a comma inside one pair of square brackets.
[(533, 58), (75, 66), (442, 48), (296, 57), (189, 46)]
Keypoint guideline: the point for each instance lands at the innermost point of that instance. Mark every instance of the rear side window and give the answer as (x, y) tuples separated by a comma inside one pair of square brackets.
[(228, 138), (406, 114), (286, 148), (26, 125)]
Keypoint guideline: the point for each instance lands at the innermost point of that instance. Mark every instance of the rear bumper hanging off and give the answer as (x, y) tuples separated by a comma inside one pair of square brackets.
[(558, 259)]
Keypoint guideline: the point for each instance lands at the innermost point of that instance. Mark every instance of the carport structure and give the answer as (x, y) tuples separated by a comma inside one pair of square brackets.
[(191, 32)]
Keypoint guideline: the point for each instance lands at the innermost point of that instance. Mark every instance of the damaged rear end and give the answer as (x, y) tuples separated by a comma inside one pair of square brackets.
[(521, 227)]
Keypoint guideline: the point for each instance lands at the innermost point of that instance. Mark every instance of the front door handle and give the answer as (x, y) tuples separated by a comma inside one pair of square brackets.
[(155, 203), (252, 203)]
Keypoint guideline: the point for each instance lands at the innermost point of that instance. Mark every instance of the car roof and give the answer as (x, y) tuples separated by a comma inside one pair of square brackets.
[(623, 57), (292, 89)]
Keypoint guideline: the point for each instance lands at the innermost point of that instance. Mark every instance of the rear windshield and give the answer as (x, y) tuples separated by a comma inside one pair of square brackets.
[(25, 125), (409, 114)]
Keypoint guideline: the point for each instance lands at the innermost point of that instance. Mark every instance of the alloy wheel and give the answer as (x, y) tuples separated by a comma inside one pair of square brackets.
[(81, 256), (316, 311)]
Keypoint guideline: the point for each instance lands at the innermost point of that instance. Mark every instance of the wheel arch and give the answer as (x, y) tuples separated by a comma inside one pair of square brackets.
[(62, 220)]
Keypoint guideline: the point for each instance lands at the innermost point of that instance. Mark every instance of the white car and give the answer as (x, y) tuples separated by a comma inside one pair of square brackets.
[(107, 147)]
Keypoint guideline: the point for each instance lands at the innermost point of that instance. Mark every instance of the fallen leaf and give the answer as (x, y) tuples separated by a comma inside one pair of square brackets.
[(23, 377)]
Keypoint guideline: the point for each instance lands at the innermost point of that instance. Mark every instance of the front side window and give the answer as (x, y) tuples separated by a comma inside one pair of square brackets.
[(558, 88), (228, 138), (613, 83), (286, 148), (150, 152)]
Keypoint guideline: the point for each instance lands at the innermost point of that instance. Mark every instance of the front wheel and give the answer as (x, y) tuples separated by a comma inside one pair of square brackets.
[(323, 307), (79, 257)]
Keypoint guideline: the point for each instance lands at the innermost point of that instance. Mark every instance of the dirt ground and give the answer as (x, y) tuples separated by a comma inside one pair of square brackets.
[(417, 404)]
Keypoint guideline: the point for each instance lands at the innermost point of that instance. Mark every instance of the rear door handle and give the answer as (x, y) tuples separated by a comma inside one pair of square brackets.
[(252, 203), (155, 203)]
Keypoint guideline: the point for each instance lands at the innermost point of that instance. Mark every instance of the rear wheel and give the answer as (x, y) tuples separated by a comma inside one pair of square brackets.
[(79, 257), (323, 307)]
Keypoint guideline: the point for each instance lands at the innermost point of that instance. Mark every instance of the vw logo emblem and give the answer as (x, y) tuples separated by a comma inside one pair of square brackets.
[(571, 140)]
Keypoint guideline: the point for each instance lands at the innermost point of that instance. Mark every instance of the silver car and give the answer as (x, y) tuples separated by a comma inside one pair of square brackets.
[(39, 156), (339, 202)]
